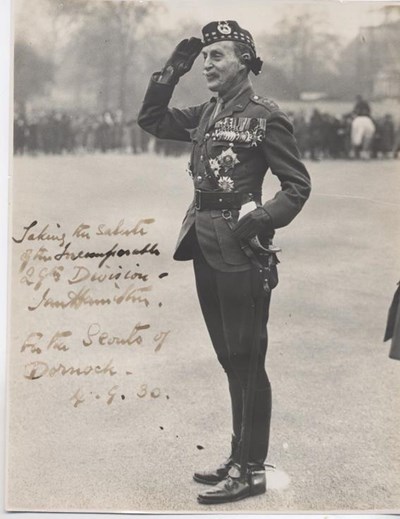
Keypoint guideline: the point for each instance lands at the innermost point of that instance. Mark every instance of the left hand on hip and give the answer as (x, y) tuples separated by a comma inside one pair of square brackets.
[(252, 224)]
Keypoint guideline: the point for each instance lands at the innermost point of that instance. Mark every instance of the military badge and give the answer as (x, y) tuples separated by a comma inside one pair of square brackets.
[(225, 161), (215, 166), (228, 159), (226, 184), (240, 130), (223, 28)]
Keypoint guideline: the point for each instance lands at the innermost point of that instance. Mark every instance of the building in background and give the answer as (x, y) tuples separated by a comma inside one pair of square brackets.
[(371, 61)]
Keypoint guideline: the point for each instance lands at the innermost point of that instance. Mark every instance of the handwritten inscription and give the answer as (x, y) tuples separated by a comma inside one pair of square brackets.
[(37, 342), (39, 369), (34, 276), (87, 275), (82, 231), (57, 342), (80, 396), (84, 297), (44, 267)]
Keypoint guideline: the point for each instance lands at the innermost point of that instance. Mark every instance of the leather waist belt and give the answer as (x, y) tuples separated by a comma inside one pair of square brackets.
[(221, 200)]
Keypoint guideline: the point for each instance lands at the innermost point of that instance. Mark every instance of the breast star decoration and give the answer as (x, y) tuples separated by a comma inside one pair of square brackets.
[(226, 184), (228, 159), (215, 166), (225, 161)]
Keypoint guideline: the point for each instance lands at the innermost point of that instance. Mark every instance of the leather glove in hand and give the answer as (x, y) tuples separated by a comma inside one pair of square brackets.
[(182, 58), (253, 223)]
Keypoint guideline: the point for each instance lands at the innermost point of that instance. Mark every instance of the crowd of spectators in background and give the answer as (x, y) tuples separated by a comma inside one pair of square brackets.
[(57, 133), (355, 135), (352, 135)]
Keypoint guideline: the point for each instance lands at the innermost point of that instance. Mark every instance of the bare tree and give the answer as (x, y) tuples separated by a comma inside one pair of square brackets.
[(103, 52), (64, 19), (305, 52), (32, 73)]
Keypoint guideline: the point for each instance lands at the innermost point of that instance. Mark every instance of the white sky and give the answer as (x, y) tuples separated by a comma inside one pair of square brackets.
[(342, 18)]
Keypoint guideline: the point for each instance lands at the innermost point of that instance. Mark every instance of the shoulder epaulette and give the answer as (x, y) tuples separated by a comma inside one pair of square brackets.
[(264, 101)]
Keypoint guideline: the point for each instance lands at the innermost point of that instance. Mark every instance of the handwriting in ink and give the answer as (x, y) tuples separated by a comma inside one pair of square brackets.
[(38, 369), (57, 342), (149, 248), (76, 300), (82, 273), (105, 338), (43, 235)]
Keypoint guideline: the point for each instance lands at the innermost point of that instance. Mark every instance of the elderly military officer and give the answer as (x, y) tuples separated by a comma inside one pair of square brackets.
[(237, 136)]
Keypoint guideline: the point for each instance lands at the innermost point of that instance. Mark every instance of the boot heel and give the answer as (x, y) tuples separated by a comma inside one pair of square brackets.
[(258, 483)]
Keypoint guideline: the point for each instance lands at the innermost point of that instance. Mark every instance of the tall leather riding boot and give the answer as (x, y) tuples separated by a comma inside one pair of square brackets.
[(212, 477), (260, 426)]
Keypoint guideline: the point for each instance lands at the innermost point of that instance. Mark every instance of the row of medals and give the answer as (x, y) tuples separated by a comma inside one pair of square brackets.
[(232, 130)]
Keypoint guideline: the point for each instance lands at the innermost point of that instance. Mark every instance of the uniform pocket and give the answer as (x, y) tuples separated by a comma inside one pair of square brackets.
[(229, 245)]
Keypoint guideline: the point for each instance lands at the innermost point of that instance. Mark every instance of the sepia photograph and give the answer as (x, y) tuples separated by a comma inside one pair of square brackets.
[(203, 272)]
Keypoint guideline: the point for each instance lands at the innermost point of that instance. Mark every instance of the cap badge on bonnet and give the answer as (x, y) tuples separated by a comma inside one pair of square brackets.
[(223, 28), (230, 30)]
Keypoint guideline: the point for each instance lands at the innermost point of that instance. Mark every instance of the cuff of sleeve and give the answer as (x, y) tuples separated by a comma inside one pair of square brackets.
[(268, 218), (165, 77), (158, 93)]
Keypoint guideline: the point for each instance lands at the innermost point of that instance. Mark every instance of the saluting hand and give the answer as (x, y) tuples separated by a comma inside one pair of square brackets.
[(183, 57)]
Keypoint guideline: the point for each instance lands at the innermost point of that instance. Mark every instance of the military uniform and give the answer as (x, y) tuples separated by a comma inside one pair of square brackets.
[(236, 139), (276, 150)]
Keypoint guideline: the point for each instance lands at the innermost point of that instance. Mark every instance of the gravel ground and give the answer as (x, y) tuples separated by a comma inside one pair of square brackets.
[(335, 429)]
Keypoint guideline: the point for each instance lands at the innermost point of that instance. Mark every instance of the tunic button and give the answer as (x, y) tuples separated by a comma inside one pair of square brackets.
[(255, 97), (219, 199), (199, 177), (207, 136), (201, 157)]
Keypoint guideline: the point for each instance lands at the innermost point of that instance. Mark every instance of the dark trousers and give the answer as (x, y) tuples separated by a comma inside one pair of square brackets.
[(228, 308)]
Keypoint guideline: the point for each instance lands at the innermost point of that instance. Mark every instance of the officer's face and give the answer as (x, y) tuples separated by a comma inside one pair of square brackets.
[(222, 68)]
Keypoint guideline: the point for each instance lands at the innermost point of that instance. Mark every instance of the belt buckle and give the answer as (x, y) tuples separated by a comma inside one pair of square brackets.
[(197, 200)]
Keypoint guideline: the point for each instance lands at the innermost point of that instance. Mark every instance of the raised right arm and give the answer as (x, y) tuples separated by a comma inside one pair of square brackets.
[(167, 123), (155, 117)]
